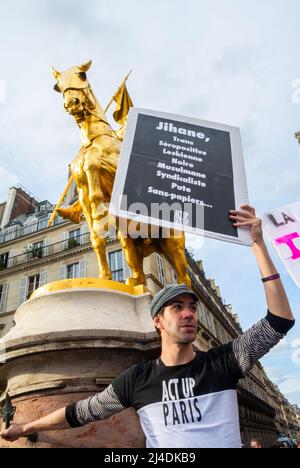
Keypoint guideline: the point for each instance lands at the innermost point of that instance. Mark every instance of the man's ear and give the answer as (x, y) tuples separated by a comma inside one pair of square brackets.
[(157, 321)]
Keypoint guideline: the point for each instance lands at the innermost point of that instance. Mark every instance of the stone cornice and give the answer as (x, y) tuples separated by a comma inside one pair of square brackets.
[(81, 339)]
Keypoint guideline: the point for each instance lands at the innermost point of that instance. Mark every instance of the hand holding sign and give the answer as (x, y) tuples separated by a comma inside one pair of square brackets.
[(248, 219)]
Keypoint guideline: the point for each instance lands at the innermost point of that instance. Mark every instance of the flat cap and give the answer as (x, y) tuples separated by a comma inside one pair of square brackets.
[(167, 294)]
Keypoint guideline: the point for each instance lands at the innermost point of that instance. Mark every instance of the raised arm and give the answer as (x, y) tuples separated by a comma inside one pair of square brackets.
[(256, 342), (277, 300)]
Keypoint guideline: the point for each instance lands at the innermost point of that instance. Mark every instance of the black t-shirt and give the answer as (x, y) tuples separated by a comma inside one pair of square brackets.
[(185, 398)]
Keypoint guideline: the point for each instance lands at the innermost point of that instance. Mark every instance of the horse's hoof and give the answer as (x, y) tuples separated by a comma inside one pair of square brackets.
[(136, 281), (106, 276), (71, 214)]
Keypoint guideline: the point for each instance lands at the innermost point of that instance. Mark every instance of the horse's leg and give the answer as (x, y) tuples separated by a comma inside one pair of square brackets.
[(173, 247), (133, 259), (98, 242), (98, 209)]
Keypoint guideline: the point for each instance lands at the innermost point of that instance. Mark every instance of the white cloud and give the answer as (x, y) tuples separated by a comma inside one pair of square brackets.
[(274, 373), (296, 353), (3, 92), (288, 384), (290, 387)]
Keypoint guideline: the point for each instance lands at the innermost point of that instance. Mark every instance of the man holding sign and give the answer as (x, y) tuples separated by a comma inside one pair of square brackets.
[(185, 398)]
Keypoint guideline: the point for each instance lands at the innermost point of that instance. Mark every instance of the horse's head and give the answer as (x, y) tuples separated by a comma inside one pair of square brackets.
[(74, 86)]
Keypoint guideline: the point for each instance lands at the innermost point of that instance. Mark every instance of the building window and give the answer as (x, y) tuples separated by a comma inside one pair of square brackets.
[(73, 271), (4, 261), (38, 249), (116, 265), (119, 269), (74, 234), (35, 251), (33, 284), (211, 323), (74, 238), (174, 276), (11, 233), (42, 223), (3, 297), (30, 227), (160, 269), (203, 317), (44, 206), (1, 294)]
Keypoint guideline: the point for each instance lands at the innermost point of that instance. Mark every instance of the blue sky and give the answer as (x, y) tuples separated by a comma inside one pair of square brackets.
[(232, 62)]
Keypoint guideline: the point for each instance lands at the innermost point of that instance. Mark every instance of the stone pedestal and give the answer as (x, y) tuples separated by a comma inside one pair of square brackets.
[(70, 340)]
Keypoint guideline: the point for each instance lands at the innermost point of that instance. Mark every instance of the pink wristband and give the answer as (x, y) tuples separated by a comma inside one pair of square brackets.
[(271, 278)]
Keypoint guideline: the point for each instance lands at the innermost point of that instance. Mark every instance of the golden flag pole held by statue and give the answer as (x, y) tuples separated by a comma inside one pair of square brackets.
[(114, 98), (51, 220), (117, 92)]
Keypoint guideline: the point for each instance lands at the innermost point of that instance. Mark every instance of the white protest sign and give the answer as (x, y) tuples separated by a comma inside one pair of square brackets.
[(282, 227)]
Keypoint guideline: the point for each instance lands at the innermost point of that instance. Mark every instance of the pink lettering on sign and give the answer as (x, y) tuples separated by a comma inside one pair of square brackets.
[(288, 240)]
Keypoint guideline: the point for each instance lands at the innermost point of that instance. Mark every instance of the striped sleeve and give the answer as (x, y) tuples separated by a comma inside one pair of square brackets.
[(259, 340), (98, 407)]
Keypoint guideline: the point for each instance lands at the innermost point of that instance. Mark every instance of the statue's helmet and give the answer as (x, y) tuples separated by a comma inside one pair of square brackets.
[(73, 78)]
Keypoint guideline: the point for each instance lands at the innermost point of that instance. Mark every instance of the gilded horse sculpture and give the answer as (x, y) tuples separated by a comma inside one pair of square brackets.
[(94, 170)]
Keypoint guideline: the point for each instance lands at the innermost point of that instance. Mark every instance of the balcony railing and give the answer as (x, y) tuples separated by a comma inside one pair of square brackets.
[(22, 231), (36, 254)]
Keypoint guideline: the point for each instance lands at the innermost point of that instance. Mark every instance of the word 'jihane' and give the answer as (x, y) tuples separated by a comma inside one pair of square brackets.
[(169, 127)]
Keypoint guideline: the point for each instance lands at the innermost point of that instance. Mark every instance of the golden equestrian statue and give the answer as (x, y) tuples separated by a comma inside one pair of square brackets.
[(93, 170)]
